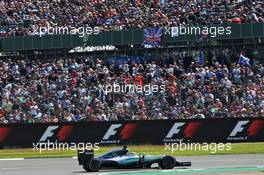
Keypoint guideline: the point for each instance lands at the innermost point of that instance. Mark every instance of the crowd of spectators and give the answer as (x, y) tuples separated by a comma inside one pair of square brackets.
[(23, 17), (69, 89)]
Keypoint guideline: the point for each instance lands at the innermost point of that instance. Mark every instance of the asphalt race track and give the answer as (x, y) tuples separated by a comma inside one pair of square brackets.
[(214, 164)]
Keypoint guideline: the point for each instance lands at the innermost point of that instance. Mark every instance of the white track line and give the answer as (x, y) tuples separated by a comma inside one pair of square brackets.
[(260, 166), (12, 159), (27, 158), (9, 168)]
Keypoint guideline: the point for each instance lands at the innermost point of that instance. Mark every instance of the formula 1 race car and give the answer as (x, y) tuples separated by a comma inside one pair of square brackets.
[(121, 158)]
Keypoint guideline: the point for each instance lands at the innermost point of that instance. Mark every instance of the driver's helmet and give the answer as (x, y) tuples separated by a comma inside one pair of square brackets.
[(125, 148)]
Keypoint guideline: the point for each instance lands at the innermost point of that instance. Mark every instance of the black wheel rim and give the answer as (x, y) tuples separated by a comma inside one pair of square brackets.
[(169, 162), (94, 165)]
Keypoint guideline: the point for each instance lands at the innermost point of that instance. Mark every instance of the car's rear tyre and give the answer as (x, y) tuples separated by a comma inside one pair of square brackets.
[(167, 162), (93, 165)]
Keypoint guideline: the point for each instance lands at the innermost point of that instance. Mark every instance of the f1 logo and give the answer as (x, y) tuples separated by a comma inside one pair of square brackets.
[(48, 133), (111, 131), (175, 129), (238, 128)]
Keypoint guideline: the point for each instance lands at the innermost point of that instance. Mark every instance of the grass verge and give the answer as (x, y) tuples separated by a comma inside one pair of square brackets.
[(238, 148)]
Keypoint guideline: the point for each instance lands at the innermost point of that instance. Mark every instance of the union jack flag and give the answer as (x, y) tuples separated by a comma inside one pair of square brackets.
[(153, 36)]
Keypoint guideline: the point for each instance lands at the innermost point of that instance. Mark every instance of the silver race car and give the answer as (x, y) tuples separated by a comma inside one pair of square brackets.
[(121, 158)]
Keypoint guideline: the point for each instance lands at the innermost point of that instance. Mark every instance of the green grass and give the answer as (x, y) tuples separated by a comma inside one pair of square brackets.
[(239, 148)]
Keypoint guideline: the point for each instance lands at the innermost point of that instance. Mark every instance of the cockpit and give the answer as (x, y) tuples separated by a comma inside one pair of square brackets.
[(114, 152)]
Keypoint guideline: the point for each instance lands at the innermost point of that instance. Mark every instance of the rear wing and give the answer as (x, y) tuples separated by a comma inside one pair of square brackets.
[(85, 156)]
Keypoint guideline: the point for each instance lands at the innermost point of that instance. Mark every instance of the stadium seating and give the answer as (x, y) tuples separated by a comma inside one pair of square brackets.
[(20, 17), (81, 88)]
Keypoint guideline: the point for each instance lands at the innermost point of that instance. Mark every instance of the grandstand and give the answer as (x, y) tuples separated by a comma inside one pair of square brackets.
[(19, 17)]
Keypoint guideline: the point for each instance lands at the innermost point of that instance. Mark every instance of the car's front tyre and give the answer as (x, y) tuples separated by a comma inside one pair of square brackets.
[(94, 165), (167, 162)]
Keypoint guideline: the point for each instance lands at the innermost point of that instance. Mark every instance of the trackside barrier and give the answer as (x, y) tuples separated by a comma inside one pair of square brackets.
[(157, 132)]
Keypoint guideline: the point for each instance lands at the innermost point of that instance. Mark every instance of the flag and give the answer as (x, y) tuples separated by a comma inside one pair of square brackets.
[(201, 57), (244, 60), (153, 36)]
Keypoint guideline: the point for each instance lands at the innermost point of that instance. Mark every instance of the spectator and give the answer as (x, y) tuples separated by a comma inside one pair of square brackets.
[(25, 18), (68, 90)]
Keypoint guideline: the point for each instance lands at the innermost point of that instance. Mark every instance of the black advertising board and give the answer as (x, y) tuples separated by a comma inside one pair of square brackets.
[(156, 132)]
